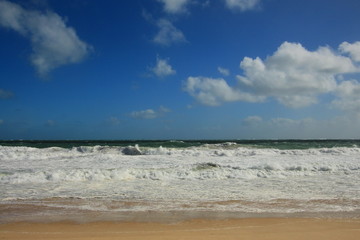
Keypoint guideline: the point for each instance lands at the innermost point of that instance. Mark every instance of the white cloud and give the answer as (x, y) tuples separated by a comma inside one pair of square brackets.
[(213, 92), (294, 75), (348, 93), (349, 105), (54, 44), (149, 113), (174, 6), (224, 71), (144, 114), (242, 5), (4, 94), (168, 33), (352, 49), (162, 68), (297, 101)]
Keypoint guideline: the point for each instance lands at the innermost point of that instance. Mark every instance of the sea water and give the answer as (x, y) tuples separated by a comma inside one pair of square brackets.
[(119, 179)]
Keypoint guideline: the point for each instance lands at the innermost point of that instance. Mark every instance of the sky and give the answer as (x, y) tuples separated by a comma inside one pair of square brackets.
[(179, 69)]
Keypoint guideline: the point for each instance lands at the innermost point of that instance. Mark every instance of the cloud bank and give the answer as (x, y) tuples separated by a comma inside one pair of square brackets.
[(279, 127), (293, 75), (53, 43)]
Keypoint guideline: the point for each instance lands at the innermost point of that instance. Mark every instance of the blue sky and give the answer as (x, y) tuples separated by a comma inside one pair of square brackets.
[(179, 69)]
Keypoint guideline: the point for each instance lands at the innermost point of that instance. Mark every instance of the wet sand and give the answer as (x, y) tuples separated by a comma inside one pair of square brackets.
[(249, 228)]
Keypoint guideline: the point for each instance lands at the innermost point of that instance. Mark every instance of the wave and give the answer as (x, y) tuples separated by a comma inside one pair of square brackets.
[(224, 149), (198, 176), (102, 163), (198, 171)]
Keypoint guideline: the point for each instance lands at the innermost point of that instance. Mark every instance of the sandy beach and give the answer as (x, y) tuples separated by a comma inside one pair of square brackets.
[(250, 228)]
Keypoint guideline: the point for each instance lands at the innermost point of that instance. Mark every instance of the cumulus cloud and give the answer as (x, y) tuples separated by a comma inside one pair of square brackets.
[(168, 34), (213, 92), (53, 42), (348, 93), (225, 72), (242, 5), (149, 113), (352, 49), (163, 68), (293, 75), (174, 6), (4, 94)]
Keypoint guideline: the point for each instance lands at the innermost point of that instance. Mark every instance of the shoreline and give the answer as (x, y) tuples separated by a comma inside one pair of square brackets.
[(32, 213), (246, 228)]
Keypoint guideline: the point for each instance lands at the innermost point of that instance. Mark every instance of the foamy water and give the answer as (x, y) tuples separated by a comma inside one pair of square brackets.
[(215, 178)]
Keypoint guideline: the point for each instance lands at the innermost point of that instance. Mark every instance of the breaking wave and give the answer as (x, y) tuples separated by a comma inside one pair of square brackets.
[(210, 173), (198, 171)]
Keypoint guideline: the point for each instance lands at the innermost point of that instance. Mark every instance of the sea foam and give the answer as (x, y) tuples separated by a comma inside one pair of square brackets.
[(197, 174)]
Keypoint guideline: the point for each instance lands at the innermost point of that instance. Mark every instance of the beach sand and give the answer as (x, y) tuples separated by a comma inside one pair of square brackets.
[(248, 228)]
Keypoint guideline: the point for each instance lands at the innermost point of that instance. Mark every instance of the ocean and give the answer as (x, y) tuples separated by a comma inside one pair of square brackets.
[(141, 180)]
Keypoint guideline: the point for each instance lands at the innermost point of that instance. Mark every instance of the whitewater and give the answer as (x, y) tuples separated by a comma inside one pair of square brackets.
[(209, 178)]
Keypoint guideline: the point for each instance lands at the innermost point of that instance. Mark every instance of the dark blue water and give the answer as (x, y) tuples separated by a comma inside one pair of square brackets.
[(278, 144)]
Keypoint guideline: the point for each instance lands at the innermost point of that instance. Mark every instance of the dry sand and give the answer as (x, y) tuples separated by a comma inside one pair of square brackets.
[(252, 228)]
